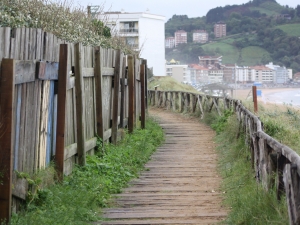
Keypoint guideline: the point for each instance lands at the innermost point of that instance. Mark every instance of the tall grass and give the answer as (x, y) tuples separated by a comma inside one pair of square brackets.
[(79, 199), (247, 200)]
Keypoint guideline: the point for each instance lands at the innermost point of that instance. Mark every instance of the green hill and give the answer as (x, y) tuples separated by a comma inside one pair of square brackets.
[(290, 29)]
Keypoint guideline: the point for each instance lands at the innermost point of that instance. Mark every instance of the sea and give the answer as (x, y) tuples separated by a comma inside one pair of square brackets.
[(288, 97)]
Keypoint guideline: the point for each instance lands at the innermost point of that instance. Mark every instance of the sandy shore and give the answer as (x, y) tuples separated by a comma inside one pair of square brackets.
[(246, 96)]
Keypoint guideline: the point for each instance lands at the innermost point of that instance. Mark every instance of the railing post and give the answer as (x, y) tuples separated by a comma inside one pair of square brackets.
[(61, 105)]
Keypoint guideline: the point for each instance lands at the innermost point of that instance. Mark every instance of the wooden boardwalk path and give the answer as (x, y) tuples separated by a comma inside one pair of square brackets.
[(180, 184)]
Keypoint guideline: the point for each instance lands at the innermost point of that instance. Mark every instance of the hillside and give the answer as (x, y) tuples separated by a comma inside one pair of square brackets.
[(256, 34)]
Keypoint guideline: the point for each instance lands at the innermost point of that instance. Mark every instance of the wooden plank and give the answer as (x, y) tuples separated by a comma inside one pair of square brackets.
[(6, 130), (71, 150), (47, 70), (38, 97), (61, 106), (107, 71), (122, 97), (44, 125), (80, 106), (131, 116), (99, 96), (4, 42), (24, 71), (88, 72), (143, 95), (22, 128), (118, 72), (50, 123)]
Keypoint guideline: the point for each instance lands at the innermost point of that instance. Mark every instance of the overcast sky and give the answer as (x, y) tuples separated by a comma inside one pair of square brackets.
[(167, 8)]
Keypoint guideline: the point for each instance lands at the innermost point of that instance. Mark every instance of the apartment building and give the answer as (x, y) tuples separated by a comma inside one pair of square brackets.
[(281, 74), (220, 30), (198, 74), (200, 36), (144, 32), (180, 37), (262, 74), (210, 60), (170, 42), (177, 71)]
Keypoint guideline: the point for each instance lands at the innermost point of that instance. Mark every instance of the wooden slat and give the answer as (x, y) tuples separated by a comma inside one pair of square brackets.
[(99, 96), (47, 70), (143, 93), (61, 106), (88, 72), (80, 106), (44, 124), (4, 42), (24, 71), (6, 130), (123, 97), (106, 71), (131, 117), (71, 150), (118, 71)]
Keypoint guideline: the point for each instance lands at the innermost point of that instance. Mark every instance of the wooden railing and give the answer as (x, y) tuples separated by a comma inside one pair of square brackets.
[(268, 156), (56, 98)]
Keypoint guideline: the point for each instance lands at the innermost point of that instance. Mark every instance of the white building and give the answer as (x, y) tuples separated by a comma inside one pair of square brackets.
[(200, 36), (170, 42), (281, 74), (144, 32), (177, 71)]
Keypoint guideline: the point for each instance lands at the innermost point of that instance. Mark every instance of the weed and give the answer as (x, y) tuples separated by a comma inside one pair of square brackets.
[(81, 196)]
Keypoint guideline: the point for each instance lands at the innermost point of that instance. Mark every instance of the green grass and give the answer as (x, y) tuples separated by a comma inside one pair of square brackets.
[(248, 202), (229, 52), (167, 83), (268, 12), (272, 6), (290, 29), (79, 199), (252, 55)]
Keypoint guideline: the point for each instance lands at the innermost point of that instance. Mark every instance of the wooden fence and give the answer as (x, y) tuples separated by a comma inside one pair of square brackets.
[(55, 99), (275, 164)]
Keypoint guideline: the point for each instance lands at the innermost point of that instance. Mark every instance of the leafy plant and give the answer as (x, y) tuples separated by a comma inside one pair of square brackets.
[(220, 123)]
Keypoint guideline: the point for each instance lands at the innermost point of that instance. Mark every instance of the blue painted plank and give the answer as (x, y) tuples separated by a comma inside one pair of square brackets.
[(54, 125), (17, 128), (50, 120)]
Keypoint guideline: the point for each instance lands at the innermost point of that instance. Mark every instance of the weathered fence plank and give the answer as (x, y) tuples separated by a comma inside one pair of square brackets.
[(6, 130)]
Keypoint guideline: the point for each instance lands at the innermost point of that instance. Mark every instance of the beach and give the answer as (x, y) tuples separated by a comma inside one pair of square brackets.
[(278, 96)]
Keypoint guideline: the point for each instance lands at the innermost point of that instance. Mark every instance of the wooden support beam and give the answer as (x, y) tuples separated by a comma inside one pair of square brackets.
[(118, 72), (63, 75), (80, 112), (146, 83), (143, 94), (131, 80), (6, 130)]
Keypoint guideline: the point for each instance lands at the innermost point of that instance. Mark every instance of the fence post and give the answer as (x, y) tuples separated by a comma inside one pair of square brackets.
[(80, 108), (118, 70), (61, 105), (254, 98), (143, 94), (131, 80), (6, 130)]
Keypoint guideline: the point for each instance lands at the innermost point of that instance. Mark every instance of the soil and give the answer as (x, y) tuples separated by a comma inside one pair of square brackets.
[(180, 184)]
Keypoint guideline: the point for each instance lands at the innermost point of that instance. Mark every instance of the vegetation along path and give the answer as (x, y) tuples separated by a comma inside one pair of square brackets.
[(180, 184)]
